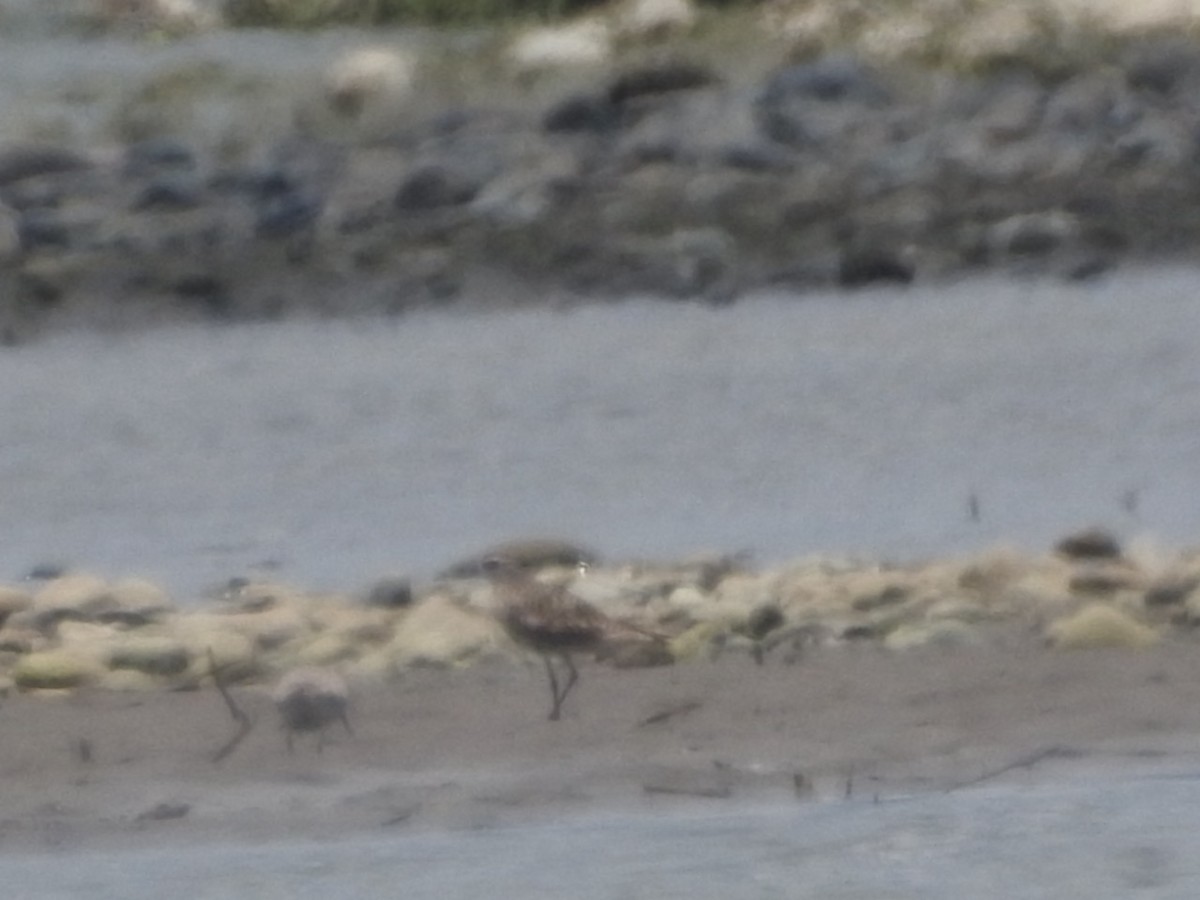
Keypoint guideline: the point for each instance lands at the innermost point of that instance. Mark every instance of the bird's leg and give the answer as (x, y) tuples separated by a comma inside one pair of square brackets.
[(555, 698), (572, 677), (346, 721)]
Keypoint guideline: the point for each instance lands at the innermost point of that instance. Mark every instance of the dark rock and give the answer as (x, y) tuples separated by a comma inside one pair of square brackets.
[(659, 79), (453, 121), (1101, 581), (21, 162), (390, 593), (763, 619), (863, 631), (163, 812), (756, 158), (1088, 267), (253, 182), (1034, 234), (888, 596), (43, 228), (128, 618), (154, 155), (1090, 106), (784, 128), (837, 78), (819, 102), (582, 113), (709, 571), (1008, 110), (433, 187), (287, 213), (648, 152), (1163, 67), (33, 193), (207, 292), (169, 193), (41, 289), (1091, 543), (1170, 592), (858, 268), (46, 571)]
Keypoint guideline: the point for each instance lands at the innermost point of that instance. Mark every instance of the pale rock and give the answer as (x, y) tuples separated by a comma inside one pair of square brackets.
[(79, 596), (363, 93), (273, 628), (13, 600), (169, 17), (587, 42), (138, 601), (21, 640), (956, 609), (54, 670), (944, 633), (438, 632), (747, 590), (702, 640), (129, 681), (655, 19), (326, 649), (89, 640), (1100, 625), (152, 655), (234, 653), (690, 599), (376, 666)]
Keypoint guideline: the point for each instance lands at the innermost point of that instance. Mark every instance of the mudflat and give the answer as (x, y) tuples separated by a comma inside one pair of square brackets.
[(471, 748)]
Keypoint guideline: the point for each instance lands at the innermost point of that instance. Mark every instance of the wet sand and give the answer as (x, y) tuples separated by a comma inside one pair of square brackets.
[(469, 749)]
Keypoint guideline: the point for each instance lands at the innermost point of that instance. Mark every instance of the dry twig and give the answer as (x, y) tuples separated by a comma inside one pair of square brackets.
[(679, 710), (1028, 761)]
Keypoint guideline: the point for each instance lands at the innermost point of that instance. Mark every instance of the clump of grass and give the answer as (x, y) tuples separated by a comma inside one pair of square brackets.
[(1050, 39), (316, 13)]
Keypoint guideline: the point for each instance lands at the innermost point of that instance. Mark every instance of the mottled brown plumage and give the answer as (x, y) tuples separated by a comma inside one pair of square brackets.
[(547, 619)]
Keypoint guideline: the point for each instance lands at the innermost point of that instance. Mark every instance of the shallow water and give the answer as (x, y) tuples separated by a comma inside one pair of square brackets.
[(1087, 838), (339, 452)]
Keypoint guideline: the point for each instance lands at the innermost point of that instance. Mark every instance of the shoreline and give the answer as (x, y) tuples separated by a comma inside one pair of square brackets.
[(845, 683), (470, 749)]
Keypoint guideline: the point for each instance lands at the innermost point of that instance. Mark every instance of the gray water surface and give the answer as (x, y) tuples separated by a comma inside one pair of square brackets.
[(1087, 838), (859, 424)]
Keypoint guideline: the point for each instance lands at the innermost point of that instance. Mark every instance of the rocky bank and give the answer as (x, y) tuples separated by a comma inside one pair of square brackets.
[(77, 631), (672, 166)]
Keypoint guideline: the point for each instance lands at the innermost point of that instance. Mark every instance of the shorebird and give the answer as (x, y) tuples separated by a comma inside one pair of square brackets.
[(312, 699), (551, 621)]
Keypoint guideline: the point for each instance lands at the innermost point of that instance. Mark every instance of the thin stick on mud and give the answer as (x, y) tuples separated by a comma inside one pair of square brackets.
[(679, 710), (1028, 761), (245, 723)]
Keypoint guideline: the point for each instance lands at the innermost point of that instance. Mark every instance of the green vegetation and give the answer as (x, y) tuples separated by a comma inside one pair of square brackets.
[(314, 13), (1052, 38)]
